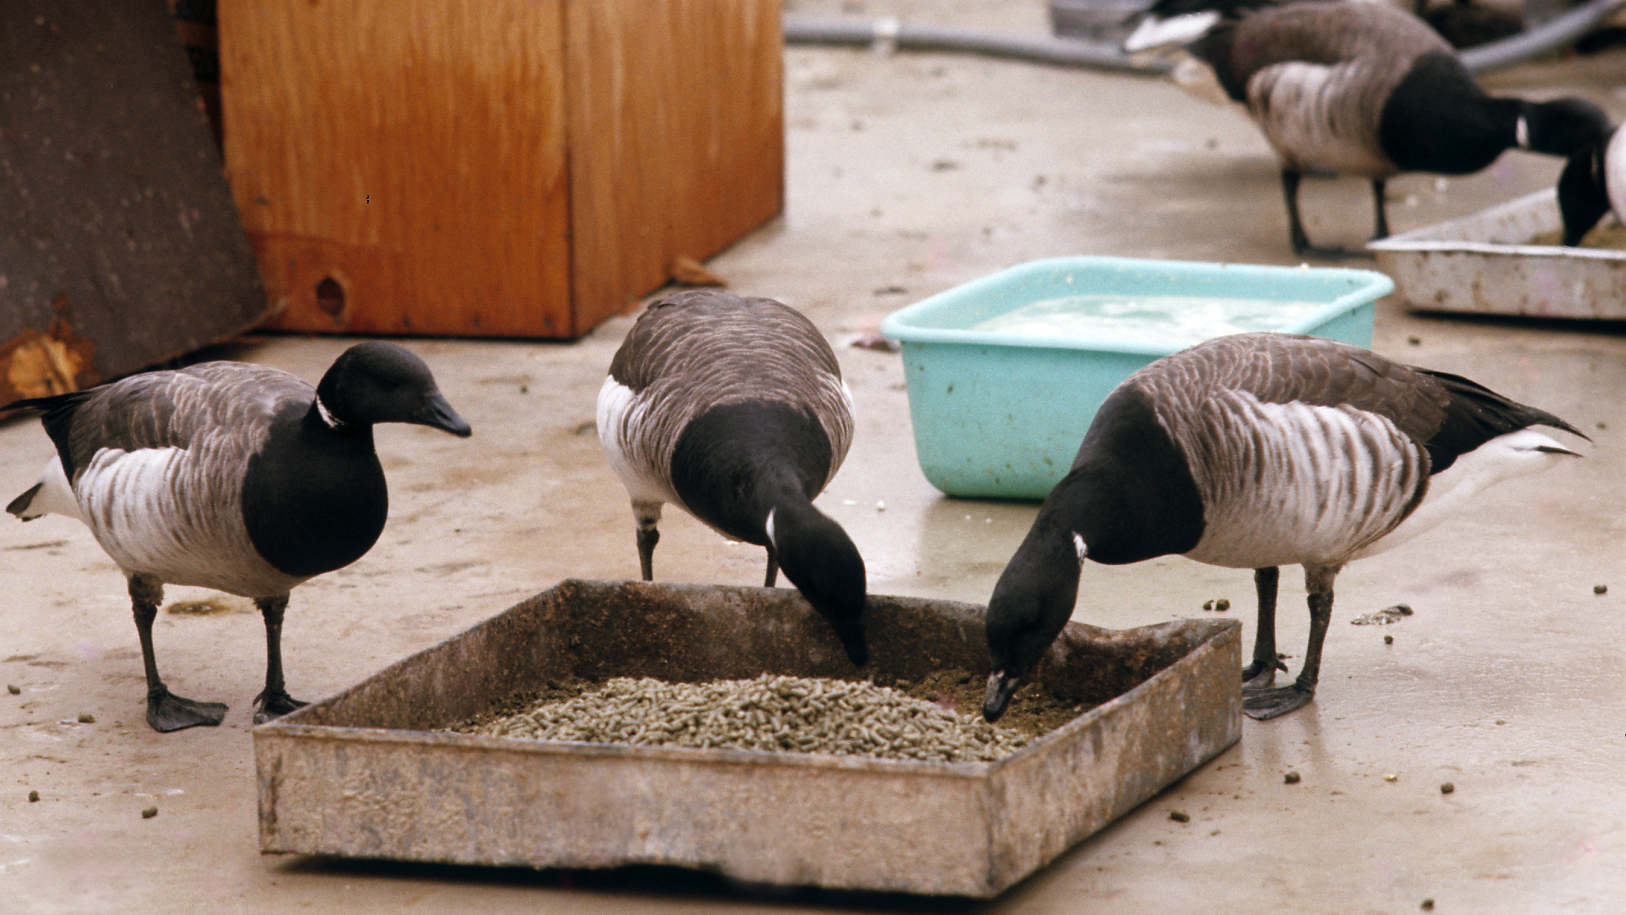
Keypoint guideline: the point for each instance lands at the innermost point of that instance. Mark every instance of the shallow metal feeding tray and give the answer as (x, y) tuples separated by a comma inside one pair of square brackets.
[(1488, 263), (367, 774)]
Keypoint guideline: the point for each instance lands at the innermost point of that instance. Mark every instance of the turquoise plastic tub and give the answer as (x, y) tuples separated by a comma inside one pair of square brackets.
[(1000, 413)]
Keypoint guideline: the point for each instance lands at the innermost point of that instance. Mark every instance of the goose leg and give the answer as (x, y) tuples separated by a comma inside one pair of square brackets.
[(1262, 672), (274, 700), (773, 570), (1271, 703), (1295, 225), (1380, 219), (648, 515), (165, 710)]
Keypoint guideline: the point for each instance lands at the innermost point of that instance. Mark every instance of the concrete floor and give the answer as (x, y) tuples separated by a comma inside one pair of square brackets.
[(907, 175)]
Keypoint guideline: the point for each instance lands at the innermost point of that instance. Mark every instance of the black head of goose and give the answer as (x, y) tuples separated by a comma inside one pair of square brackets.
[(1256, 451), (1359, 88), (1592, 184), (734, 410), (234, 477)]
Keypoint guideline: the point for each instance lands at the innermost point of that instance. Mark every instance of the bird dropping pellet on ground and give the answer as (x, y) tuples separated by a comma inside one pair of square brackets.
[(776, 713)]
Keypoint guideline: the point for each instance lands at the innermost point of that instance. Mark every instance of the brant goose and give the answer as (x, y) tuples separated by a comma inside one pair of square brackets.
[(1360, 88), (1257, 451), (230, 476), (1592, 183), (734, 410)]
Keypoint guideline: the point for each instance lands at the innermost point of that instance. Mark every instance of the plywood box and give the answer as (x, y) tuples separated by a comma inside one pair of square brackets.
[(520, 168)]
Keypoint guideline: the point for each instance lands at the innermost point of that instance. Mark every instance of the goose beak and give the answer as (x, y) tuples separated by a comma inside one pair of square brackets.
[(438, 413), (1001, 687)]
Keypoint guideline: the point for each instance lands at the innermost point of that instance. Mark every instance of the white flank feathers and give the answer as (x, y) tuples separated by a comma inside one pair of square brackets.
[(1288, 484), (620, 416), (1312, 116), (127, 497), (130, 502)]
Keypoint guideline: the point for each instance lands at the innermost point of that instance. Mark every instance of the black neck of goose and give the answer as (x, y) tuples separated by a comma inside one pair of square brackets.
[(314, 497), (1563, 126), (1583, 193), (735, 462), (1439, 120), (823, 563), (1130, 495), (1035, 594)]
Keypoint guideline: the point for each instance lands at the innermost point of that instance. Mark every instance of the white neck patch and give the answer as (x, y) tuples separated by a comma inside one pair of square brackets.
[(768, 526), (1078, 545), (321, 410), (1521, 133)]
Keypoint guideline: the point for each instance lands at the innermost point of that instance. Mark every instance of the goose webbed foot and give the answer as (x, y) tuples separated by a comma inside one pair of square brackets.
[(1266, 703), (274, 704), (168, 712), (1261, 674)]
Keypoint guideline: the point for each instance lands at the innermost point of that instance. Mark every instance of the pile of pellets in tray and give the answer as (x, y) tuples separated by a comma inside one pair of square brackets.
[(778, 713)]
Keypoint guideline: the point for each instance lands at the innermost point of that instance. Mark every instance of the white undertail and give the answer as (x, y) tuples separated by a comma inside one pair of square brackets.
[(54, 495)]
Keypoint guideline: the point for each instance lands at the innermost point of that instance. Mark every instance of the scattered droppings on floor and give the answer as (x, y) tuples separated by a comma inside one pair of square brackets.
[(1383, 617)]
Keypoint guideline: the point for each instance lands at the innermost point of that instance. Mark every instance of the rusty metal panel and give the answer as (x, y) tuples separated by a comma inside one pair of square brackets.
[(1489, 263), (366, 774), (120, 246)]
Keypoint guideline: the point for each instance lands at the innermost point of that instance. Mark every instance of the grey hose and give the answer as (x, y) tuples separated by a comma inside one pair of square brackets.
[(890, 33), (1551, 35), (1096, 55)]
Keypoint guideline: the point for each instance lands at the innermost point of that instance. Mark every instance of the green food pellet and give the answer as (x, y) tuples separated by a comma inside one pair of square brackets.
[(149, 813), (1179, 816), (33, 797), (1428, 905), (1292, 778), (1222, 605), (1600, 589), (1388, 640), (87, 718), (13, 688), (1447, 788)]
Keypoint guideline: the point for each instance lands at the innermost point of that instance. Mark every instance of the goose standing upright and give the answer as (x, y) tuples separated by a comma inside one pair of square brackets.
[(1359, 88), (1592, 184), (1257, 451), (734, 410), (234, 477)]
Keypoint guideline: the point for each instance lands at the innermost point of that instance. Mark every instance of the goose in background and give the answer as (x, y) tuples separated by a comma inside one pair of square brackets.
[(734, 410), (230, 476), (1358, 87), (1592, 184), (1257, 451)]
